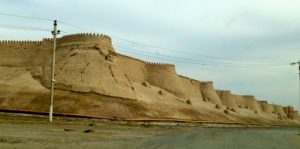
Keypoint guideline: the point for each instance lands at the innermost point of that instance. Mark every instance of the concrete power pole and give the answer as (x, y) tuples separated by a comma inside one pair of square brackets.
[(295, 63), (54, 33)]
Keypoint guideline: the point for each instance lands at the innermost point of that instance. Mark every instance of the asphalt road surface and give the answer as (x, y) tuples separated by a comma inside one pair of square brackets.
[(21, 133)]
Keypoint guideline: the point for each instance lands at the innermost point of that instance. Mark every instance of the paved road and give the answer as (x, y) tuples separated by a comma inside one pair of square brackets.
[(101, 135)]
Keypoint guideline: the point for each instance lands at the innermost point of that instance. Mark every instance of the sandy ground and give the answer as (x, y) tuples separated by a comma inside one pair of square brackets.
[(36, 132)]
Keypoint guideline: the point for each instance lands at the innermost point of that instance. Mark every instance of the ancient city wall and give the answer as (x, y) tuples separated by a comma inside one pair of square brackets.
[(289, 111), (84, 38), (278, 109), (164, 76), (156, 73), (192, 92), (87, 41), (196, 87), (209, 94), (133, 68), (227, 98), (253, 104), (18, 53), (82, 66), (268, 108), (240, 101)]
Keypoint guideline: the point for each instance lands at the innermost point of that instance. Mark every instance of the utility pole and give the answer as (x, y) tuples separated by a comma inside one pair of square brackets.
[(54, 33), (295, 63)]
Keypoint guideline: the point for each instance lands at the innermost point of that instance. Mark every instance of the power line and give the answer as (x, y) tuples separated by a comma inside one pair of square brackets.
[(196, 63), (219, 59), (75, 26), (27, 17), (23, 28), (158, 47), (28, 28), (193, 60)]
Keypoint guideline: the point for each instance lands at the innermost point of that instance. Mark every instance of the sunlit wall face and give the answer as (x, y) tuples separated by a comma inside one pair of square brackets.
[(213, 40)]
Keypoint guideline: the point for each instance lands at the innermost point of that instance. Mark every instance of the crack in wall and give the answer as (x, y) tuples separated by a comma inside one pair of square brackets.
[(112, 74), (82, 71)]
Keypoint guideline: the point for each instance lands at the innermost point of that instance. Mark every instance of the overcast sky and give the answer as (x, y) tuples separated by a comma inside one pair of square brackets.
[(214, 39)]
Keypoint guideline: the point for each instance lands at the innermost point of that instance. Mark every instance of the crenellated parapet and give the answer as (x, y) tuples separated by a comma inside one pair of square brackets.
[(47, 43), (160, 67), (158, 64), (84, 37), (16, 45), (19, 53), (206, 82), (48, 39), (19, 42)]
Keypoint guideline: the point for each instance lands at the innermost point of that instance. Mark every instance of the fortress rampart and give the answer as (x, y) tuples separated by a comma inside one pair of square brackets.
[(248, 97), (206, 82), (126, 69), (18, 53), (227, 98), (289, 111), (209, 93), (84, 37), (133, 68), (160, 67), (241, 101), (184, 77), (223, 91), (164, 76), (278, 109), (268, 108), (21, 53), (254, 105), (192, 92), (87, 40), (19, 42), (195, 82)]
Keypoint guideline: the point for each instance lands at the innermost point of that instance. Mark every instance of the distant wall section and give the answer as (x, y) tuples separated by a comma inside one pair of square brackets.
[(209, 94)]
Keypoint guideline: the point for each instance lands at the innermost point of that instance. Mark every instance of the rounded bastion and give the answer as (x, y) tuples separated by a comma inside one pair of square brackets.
[(82, 40)]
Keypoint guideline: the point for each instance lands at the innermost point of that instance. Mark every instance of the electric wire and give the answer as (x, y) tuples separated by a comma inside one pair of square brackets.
[(194, 63), (221, 61), (27, 17), (23, 28), (192, 60), (169, 49)]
